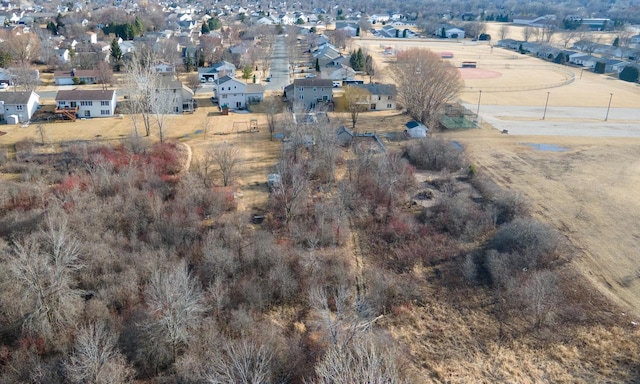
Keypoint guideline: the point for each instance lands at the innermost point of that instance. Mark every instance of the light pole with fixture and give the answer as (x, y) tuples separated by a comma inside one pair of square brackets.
[(479, 98), (545, 106), (608, 107)]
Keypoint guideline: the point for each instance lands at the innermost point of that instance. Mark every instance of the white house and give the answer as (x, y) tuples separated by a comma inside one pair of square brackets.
[(63, 55), (216, 71), (450, 32), (20, 104), (164, 68), (84, 76), (87, 102), (230, 92)]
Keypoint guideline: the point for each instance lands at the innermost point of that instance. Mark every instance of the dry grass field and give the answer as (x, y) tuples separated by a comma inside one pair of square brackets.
[(589, 190)]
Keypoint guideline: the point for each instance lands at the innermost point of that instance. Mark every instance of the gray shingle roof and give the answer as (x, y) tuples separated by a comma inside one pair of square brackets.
[(84, 94), (15, 98), (379, 89), (313, 82)]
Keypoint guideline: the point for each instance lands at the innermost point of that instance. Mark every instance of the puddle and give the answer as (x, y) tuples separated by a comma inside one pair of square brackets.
[(457, 145), (546, 147)]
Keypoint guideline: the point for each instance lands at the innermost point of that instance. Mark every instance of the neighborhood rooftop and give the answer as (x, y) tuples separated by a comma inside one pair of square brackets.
[(313, 82), (15, 97), (85, 94)]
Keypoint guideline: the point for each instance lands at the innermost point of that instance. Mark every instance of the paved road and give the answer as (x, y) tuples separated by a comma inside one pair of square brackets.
[(279, 67), (562, 121)]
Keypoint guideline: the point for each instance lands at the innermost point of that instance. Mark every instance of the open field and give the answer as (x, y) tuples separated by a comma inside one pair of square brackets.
[(587, 185)]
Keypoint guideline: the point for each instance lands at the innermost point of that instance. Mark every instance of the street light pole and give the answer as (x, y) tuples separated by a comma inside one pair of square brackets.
[(479, 98), (608, 107), (545, 106)]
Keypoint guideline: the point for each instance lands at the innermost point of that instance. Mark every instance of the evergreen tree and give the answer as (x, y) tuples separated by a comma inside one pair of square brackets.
[(317, 65), (616, 42), (358, 31), (138, 27), (205, 28), (116, 53), (629, 73), (188, 63), (52, 27)]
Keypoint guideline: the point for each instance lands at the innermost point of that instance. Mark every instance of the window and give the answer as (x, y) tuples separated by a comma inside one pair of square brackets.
[(379, 97), (321, 89), (301, 89), (314, 89), (105, 112), (224, 96), (105, 103), (301, 97), (86, 103), (389, 98), (389, 106), (87, 113), (19, 107)]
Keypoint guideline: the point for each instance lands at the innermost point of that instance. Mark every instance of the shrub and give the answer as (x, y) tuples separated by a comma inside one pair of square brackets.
[(629, 73), (434, 155)]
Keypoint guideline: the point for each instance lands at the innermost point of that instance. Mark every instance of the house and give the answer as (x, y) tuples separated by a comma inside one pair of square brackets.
[(586, 61), (541, 21), (63, 55), (350, 28), (164, 68), (82, 76), (230, 92), (415, 130), (310, 93), (216, 71), (86, 102), (389, 31), (382, 96), (325, 54), (343, 72), (19, 104), (180, 97), (449, 32), (613, 65), (253, 93)]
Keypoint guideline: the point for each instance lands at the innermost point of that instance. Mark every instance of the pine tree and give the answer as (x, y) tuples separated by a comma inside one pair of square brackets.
[(138, 26), (205, 28), (116, 53), (317, 65)]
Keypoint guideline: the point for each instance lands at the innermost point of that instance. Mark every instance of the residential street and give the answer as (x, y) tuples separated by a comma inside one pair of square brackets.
[(279, 66)]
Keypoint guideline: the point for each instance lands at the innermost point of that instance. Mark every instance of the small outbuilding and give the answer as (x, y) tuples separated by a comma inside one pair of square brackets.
[(415, 130)]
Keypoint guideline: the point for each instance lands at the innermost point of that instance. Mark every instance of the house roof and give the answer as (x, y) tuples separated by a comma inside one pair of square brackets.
[(414, 124), (254, 88), (15, 98), (344, 129), (78, 73), (313, 82), (85, 94), (226, 78), (379, 89)]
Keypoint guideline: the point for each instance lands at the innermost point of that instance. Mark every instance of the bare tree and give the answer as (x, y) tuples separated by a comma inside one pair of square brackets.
[(474, 29), (547, 31), (193, 82), (44, 271), (362, 362), (243, 361), (290, 192), (175, 301), (163, 104), (22, 47), (139, 87), (227, 157), (539, 294), (503, 31), (527, 33), (357, 99), (25, 77), (273, 106), (96, 359), (105, 74), (425, 83)]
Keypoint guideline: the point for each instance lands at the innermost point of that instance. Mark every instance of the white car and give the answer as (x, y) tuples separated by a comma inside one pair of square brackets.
[(4, 86)]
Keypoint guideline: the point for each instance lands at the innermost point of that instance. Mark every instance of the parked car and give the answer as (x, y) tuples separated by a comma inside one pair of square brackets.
[(274, 180), (4, 85)]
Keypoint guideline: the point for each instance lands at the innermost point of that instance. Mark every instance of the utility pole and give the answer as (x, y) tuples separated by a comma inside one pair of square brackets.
[(608, 107), (545, 106)]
